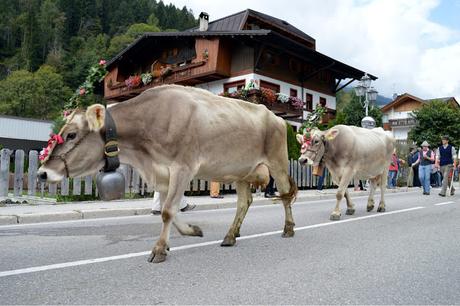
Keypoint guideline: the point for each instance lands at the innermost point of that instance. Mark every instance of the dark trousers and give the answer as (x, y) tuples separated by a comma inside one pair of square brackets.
[(269, 189)]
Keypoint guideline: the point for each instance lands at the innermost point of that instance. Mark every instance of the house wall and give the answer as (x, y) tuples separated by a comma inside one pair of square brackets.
[(217, 87)]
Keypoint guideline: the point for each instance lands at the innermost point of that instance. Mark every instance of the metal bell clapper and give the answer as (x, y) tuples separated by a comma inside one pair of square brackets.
[(110, 185)]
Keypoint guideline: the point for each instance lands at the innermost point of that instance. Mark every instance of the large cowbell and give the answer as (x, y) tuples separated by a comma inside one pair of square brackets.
[(110, 185), (109, 182)]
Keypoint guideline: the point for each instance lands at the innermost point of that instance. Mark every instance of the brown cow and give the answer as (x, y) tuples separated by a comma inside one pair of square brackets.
[(172, 134)]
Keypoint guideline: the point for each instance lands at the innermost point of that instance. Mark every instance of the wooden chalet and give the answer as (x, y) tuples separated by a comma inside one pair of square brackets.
[(397, 115), (226, 54)]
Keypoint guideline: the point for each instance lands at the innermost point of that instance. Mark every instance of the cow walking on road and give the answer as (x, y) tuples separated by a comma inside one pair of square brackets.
[(349, 151), (172, 134)]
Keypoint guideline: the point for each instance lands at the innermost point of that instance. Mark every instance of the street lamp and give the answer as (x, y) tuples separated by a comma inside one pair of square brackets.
[(370, 95)]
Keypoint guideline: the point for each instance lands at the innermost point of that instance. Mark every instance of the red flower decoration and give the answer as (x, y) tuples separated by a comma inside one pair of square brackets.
[(54, 139), (82, 91), (102, 62), (306, 143)]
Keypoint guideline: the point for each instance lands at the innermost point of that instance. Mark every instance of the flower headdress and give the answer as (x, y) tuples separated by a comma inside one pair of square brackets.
[(55, 139)]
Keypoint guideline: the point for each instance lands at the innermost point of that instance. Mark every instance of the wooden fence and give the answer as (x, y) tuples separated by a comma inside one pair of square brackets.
[(18, 174)]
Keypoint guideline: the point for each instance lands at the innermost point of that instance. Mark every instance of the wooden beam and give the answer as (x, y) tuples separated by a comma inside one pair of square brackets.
[(343, 86)]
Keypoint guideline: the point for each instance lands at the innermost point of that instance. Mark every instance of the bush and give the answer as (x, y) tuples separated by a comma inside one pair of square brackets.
[(292, 144)]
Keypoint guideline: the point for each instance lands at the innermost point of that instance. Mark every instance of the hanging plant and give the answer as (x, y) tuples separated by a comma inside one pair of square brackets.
[(133, 81), (282, 97), (96, 75), (297, 103), (146, 78), (268, 95)]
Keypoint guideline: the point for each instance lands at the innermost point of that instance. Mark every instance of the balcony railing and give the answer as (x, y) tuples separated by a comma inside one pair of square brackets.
[(402, 122)]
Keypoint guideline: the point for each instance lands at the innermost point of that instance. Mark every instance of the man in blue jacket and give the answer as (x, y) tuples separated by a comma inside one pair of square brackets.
[(446, 158)]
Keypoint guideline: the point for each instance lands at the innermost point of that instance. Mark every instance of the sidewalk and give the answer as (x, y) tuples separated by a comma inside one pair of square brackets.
[(23, 213)]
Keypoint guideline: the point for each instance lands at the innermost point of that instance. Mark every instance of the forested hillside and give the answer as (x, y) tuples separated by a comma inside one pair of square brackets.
[(47, 46)]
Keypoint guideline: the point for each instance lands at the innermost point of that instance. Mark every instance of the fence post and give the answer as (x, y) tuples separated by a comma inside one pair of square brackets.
[(18, 172), (135, 181), (32, 173), (4, 171), (76, 188), (52, 188), (65, 186), (88, 185)]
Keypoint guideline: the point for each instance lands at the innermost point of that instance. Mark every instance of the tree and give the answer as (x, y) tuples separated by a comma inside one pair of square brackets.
[(354, 112), (292, 144), (34, 95), (433, 120), (119, 42)]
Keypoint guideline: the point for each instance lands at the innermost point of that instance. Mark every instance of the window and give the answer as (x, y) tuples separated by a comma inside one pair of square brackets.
[(293, 92), (234, 86), (309, 102), (322, 101), (268, 85)]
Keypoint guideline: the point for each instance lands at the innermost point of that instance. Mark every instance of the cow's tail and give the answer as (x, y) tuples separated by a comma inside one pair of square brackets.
[(292, 194)]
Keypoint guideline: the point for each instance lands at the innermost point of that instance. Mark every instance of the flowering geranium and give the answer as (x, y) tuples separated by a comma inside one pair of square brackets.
[(133, 81), (283, 98), (268, 95), (297, 103)]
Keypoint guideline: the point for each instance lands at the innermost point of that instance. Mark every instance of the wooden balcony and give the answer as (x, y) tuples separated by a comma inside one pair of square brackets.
[(184, 75)]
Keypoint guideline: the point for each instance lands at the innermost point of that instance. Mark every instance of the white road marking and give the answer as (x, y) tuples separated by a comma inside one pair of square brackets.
[(189, 246), (444, 203)]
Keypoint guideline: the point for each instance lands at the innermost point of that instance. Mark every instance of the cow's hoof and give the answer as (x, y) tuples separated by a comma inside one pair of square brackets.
[(157, 257), (350, 211), (288, 234), (228, 241), (288, 231), (196, 231), (381, 209), (335, 217), (370, 208)]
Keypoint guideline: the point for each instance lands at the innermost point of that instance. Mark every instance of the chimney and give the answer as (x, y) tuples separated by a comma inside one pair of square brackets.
[(395, 95), (204, 21)]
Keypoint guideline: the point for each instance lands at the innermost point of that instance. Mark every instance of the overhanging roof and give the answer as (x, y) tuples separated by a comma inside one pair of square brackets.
[(141, 41)]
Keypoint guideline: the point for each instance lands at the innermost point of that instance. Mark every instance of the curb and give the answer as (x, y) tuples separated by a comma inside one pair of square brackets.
[(85, 214)]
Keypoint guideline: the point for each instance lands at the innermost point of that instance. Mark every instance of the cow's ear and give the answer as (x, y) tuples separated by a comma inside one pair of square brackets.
[(95, 115), (331, 134), (299, 138)]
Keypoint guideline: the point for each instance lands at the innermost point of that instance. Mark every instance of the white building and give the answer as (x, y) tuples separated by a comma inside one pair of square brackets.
[(24, 133)]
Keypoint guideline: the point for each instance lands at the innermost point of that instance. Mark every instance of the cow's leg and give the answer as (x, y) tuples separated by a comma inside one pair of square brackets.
[(370, 199), (187, 229), (350, 205), (381, 207), (287, 189), (344, 181), (178, 181), (243, 190)]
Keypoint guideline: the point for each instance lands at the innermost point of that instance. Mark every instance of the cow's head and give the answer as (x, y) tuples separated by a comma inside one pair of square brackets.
[(313, 145), (80, 150)]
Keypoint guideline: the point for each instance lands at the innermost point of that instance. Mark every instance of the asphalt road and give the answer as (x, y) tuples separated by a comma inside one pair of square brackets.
[(408, 255)]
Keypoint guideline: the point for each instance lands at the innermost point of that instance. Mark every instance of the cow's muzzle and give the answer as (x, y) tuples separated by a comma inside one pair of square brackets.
[(42, 176)]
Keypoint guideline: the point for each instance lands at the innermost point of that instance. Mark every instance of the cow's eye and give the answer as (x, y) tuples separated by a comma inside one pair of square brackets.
[(71, 136), (316, 141)]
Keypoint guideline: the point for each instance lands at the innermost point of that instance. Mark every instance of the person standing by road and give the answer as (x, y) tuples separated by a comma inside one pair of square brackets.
[(425, 158), (446, 160), (392, 171)]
